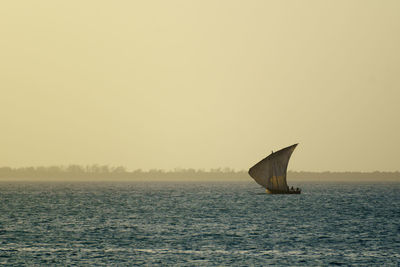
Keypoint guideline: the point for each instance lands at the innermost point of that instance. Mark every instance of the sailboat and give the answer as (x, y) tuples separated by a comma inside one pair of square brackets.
[(270, 172)]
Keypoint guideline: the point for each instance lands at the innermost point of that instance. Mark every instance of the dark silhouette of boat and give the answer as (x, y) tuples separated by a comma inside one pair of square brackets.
[(270, 172)]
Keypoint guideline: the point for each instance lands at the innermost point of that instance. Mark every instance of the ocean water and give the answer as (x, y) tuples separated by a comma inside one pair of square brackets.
[(198, 224)]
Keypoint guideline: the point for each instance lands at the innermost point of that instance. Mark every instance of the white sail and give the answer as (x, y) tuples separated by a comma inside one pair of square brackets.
[(271, 171)]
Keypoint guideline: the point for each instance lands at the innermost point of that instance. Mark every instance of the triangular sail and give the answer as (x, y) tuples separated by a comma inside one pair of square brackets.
[(271, 171)]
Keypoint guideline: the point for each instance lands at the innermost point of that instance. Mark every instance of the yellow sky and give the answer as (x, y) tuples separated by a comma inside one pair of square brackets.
[(202, 84)]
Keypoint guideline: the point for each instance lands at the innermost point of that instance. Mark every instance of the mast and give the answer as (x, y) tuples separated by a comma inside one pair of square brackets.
[(271, 171)]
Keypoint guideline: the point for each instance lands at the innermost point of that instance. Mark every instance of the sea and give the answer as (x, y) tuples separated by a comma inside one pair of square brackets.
[(198, 224)]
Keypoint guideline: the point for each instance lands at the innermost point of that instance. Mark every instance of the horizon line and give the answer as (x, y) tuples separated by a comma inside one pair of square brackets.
[(104, 168)]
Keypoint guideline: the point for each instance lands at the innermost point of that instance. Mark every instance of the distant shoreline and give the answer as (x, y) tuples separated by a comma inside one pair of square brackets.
[(95, 173)]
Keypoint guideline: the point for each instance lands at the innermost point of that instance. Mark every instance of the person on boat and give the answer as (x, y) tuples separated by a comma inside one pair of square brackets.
[(297, 189), (292, 189)]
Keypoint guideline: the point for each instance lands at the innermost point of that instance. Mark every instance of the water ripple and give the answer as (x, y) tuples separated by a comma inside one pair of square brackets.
[(198, 224)]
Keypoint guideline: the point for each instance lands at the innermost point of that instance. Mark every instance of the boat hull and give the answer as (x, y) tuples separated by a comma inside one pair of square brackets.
[(290, 192)]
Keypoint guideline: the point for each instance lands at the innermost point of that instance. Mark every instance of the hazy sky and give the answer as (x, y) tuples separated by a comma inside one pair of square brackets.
[(201, 84)]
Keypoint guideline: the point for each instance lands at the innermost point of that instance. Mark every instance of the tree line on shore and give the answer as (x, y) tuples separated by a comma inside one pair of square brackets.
[(105, 171), (119, 172)]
